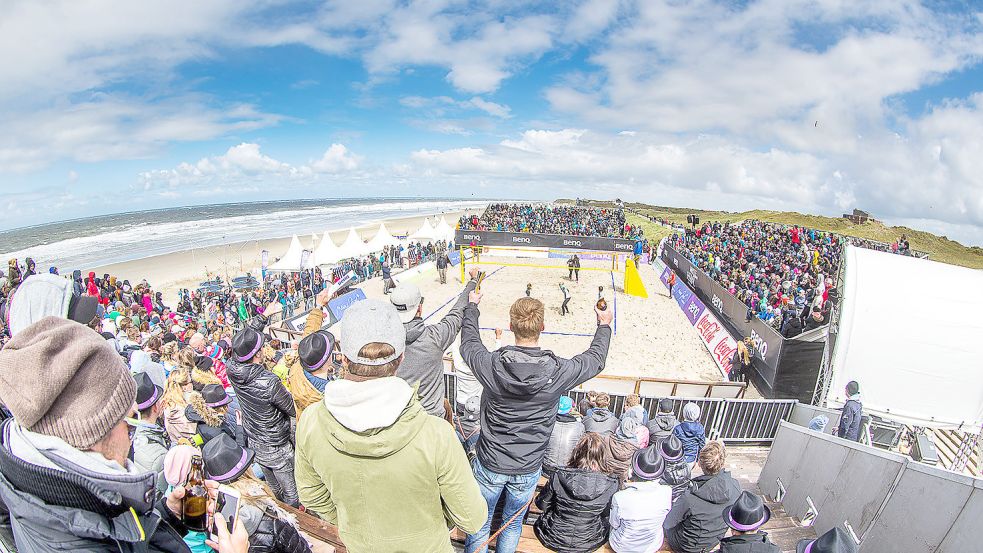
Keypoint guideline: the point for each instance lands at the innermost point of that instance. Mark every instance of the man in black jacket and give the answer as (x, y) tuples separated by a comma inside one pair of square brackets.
[(522, 386), (695, 523), (745, 518), (266, 407)]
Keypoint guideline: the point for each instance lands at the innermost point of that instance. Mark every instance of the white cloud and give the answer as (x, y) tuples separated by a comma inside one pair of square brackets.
[(246, 165)]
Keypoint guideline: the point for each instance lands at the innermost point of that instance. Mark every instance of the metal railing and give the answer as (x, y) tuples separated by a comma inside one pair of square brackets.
[(729, 420)]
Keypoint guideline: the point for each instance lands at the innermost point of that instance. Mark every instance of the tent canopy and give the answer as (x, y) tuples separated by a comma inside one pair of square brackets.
[(327, 252), (425, 232), (290, 262), (444, 231), (908, 334), (382, 239), (353, 246)]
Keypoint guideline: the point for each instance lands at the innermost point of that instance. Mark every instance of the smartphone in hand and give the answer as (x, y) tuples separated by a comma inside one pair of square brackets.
[(226, 503)]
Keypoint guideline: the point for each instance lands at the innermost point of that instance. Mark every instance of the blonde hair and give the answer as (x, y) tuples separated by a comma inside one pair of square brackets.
[(305, 394), (526, 318), (174, 394), (185, 358), (124, 323), (212, 416), (632, 400), (712, 458), (168, 352), (744, 353)]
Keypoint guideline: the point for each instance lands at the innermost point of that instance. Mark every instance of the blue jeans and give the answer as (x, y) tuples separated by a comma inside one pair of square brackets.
[(518, 490), (468, 442)]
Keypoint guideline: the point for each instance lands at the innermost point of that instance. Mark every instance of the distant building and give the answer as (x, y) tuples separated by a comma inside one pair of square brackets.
[(858, 217)]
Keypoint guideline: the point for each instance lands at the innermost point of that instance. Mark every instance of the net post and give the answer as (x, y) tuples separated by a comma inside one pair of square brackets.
[(461, 249)]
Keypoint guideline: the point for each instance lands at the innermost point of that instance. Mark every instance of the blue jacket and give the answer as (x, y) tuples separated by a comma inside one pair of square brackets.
[(693, 436), (849, 427)]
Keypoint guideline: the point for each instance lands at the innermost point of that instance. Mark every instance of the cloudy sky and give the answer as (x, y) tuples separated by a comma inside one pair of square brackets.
[(816, 106)]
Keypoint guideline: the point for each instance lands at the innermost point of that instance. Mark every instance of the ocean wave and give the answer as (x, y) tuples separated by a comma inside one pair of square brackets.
[(105, 244)]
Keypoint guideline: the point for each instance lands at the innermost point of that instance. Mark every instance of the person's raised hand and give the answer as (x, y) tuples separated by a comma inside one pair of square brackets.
[(236, 542), (323, 296), (473, 273), (604, 317), (475, 297)]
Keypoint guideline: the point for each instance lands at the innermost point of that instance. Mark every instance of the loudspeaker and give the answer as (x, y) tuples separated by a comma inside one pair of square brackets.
[(923, 450)]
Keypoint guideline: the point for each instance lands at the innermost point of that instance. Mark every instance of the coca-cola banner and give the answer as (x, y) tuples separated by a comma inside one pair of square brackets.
[(714, 336), (529, 240), (731, 311)]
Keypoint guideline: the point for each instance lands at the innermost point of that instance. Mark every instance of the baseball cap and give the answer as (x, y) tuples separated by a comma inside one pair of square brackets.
[(406, 299), (370, 321), (565, 405)]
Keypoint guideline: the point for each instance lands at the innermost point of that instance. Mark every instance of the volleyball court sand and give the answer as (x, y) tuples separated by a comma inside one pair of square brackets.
[(653, 338)]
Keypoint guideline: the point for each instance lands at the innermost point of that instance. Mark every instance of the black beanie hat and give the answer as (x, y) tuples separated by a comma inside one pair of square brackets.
[(852, 387), (315, 350), (246, 344)]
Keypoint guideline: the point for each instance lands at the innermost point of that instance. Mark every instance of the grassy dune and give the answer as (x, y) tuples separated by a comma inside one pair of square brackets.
[(939, 248)]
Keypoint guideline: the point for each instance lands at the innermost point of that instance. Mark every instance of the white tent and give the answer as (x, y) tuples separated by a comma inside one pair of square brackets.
[(327, 252), (353, 246), (291, 261), (382, 239), (425, 232), (908, 334), (444, 231)]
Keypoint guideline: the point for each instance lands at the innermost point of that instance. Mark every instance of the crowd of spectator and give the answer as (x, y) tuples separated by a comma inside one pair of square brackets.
[(96, 456), (553, 219)]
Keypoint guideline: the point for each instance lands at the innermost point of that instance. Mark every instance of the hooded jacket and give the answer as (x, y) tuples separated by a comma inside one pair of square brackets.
[(57, 505), (390, 476), (601, 421), (566, 434), (150, 445), (575, 505), (693, 436), (849, 427), (696, 521), (678, 476), (266, 407), (748, 543), (522, 386), (661, 426), (423, 360)]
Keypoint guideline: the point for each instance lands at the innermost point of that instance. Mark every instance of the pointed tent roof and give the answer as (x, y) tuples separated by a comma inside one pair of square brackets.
[(444, 231), (353, 246), (327, 252), (382, 239), (290, 262), (425, 232)]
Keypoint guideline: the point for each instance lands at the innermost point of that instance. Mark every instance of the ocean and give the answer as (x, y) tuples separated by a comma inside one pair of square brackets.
[(96, 241)]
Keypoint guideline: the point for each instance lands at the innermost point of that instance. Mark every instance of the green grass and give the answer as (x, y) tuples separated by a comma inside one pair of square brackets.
[(939, 248)]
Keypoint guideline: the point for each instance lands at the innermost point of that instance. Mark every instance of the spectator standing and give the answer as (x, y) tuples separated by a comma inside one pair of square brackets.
[(600, 419), (664, 422), (576, 501), (64, 474), (566, 434), (852, 413), (442, 262), (695, 524), (691, 432), (423, 361), (638, 511), (745, 517), (371, 441), (522, 387), (266, 407)]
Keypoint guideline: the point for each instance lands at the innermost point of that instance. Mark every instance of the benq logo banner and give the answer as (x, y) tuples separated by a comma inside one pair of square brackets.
[(588, 243)]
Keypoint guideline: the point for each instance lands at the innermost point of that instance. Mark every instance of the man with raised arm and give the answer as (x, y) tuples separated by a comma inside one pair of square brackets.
[(522, 387)]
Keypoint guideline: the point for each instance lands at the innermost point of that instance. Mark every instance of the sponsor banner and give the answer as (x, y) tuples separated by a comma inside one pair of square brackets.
[(266, 259), (526, 239), (339, 305), (642, 259), (455, 257), (714, 336), (731, 311)]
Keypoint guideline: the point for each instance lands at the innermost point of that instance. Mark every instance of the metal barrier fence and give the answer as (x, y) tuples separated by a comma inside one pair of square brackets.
[(730, 420)]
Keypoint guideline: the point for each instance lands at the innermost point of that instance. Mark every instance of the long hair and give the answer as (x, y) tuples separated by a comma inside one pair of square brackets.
[(212, 417), (744, 353), (174, 394), (305, 394), (186, 359), (588, 453), (256, 493)]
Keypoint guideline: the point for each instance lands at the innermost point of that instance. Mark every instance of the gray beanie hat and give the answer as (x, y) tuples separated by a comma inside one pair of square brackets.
[(62, 379)]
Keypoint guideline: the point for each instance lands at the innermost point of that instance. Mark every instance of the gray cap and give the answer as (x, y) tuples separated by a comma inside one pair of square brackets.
[(406, 299), (370, 321)]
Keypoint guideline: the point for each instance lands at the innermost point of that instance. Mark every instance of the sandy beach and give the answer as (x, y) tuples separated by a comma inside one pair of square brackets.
[(186, 269)]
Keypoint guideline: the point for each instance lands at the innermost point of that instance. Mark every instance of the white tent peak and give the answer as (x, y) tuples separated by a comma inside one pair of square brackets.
[(327, 252), (382, 239), (290, 262), (425, 232)]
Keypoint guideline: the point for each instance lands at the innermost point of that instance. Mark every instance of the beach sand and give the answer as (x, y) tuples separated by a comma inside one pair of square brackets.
[(187, 269), (653, 337)]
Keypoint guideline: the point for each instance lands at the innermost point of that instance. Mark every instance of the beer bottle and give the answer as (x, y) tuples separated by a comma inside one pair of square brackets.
[(195, 497)]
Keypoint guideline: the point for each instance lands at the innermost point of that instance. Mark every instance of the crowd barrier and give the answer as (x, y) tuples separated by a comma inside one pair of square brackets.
[(728, 419), (889, 502)]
